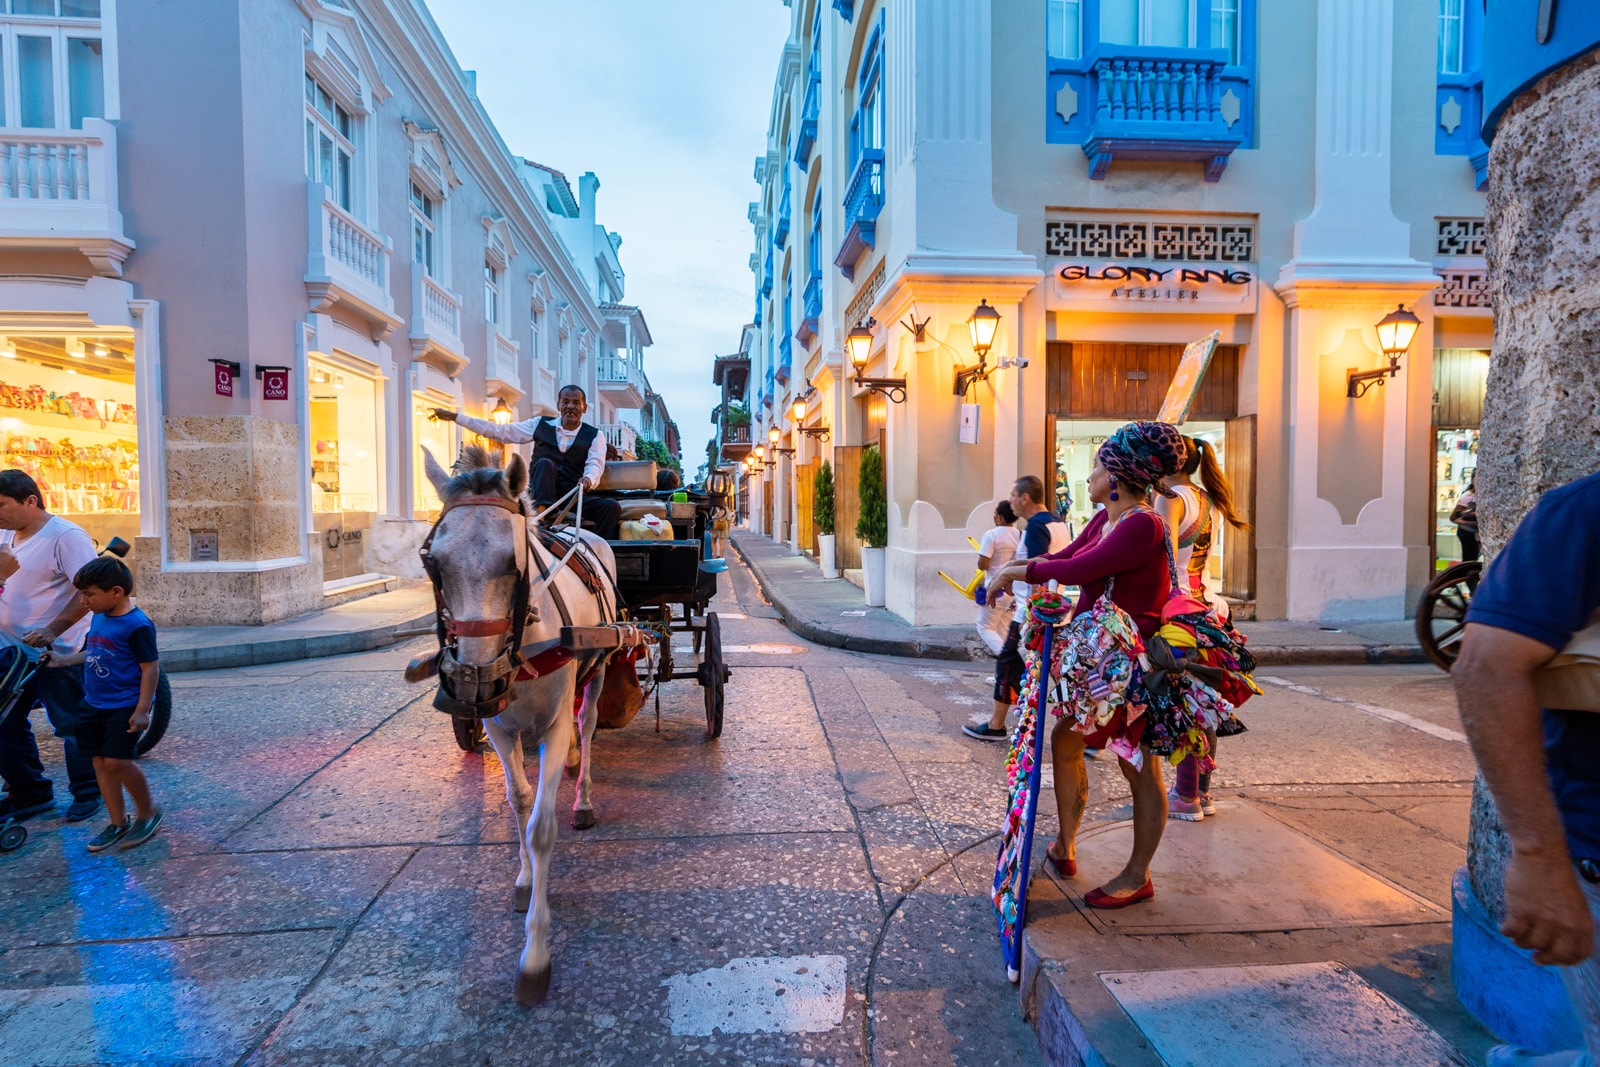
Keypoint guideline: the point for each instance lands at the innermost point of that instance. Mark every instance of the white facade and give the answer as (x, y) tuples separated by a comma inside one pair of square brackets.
[(924, 155), (343, 226)]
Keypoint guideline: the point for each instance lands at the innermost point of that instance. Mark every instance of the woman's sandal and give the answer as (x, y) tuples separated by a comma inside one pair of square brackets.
[(1064, 867), (1099, 898)]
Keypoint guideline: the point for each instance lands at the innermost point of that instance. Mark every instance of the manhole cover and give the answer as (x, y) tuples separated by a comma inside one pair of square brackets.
[(766, 649)]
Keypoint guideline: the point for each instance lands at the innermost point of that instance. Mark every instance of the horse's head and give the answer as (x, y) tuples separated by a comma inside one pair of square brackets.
[(477, 559)]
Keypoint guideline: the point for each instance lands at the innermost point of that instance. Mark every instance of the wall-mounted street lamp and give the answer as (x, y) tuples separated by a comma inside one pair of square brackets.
[(858, 343), (773, 437), (984, 322), (799, 414), (501, 415), (1395, 332)]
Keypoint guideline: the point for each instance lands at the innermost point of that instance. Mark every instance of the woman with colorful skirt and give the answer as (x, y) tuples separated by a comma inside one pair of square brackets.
[(1123, 546), (1189, 515)]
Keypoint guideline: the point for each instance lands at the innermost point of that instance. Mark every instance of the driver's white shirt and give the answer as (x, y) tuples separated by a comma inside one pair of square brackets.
[(521, 433)]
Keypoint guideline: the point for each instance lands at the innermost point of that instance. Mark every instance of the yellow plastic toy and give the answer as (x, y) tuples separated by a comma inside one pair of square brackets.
[(970, 590)]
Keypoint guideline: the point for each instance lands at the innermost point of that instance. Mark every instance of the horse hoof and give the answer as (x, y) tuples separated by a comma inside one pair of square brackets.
[(533, 988), (523, 898), (583, 818)]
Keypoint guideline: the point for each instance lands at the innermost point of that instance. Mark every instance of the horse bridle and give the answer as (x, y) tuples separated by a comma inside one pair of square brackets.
[(499, 674)]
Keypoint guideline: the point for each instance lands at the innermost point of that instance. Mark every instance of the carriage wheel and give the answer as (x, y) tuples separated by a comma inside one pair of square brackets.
[(470, 734), (713, 675), (160, 716), (1442, 613)]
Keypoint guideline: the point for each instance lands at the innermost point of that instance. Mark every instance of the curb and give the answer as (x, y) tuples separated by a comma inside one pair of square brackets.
[(286, 649), (1266, 655), (911, 648)]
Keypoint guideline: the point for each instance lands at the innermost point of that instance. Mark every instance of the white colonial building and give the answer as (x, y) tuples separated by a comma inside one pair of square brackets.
[(1118, 178), (243, 257)]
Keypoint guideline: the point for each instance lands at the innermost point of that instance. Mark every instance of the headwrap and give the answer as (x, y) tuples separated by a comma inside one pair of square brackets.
[(1140, 454)]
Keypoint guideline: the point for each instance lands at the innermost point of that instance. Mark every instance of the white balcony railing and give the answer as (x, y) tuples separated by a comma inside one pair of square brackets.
[(349, 258), (622, 437), (436, 324), (622, 379), (58, 188), (502, 367)]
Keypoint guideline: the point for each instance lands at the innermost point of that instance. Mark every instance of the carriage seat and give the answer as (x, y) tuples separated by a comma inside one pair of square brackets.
[(634, 509), (628, 474)]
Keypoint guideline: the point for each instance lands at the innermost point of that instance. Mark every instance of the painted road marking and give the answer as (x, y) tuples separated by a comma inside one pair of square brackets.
[(765, 994), (1444, 733)]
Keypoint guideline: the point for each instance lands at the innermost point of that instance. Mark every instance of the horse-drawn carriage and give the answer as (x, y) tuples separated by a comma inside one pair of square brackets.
[(663, 584)]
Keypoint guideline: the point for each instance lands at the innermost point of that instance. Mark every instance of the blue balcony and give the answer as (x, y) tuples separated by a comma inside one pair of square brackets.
[(758, 309), (809, 113), (785, 360), (812, 310), (766, 275), (863, 200), (846, 8), (780, 229), (1458, 122), (1161, 104)]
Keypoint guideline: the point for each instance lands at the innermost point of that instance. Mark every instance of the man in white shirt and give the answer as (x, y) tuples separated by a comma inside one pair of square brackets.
[(40, 554), (564, 454)]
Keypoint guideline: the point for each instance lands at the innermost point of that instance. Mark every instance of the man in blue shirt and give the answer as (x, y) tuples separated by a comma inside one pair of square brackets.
[(1542, 765)]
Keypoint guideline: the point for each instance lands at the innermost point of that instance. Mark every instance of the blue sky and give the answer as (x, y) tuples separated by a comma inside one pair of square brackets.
[(667, 102)]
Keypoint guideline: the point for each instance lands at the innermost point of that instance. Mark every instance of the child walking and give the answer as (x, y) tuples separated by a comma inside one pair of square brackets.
[(119, 685)]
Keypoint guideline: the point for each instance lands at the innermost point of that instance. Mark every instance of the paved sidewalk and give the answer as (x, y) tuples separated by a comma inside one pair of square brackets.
[(357, 626), (831, 612)]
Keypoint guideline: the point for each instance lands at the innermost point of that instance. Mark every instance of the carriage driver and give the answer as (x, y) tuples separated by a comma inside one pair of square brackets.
[(563, 453)]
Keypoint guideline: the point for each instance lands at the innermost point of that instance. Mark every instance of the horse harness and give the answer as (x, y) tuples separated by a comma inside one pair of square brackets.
[(514, 662)]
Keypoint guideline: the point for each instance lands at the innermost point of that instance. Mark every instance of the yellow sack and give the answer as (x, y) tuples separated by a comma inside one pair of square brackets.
[(649, 528)]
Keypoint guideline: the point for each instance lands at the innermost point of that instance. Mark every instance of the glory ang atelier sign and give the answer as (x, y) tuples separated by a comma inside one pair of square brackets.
[(1154, 287)]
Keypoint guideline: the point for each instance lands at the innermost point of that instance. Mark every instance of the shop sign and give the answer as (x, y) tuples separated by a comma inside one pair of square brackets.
[(1168, 284), (226, 371), (969, 424), (274, 382)]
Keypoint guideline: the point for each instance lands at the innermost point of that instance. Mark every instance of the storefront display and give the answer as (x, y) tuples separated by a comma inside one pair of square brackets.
[(67, 418), (344, 464), (1455, 462)]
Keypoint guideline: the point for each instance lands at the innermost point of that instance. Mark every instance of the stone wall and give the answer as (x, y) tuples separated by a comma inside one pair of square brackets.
[(1541, 421), (239, 476)]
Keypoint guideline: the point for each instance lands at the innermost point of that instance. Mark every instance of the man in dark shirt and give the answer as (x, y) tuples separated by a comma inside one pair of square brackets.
[(1542, 765)]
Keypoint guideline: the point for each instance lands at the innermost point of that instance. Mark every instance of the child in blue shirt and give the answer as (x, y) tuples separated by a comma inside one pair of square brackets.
[(119, 685)]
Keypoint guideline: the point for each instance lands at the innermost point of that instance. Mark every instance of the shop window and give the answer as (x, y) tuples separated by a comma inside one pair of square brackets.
[(344, 439), (67, 417), (424, 227), (330, 144), (439, 438)]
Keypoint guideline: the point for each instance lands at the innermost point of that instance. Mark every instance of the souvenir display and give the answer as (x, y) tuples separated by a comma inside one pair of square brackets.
[(78, 479)]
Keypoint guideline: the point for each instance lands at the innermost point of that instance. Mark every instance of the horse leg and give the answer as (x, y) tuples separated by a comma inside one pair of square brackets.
[(508, 746), (533, 969), (583, 807)]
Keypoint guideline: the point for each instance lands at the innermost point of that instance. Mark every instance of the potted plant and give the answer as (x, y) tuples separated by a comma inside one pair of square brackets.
[(873, 525), (822, 512)]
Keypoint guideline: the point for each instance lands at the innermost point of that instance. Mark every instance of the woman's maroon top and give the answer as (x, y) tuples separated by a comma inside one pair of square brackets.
[(1134, 552)]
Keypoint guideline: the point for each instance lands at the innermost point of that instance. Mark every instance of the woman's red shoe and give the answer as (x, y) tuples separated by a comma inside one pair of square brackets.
[(1064, 867), (1099, 898)]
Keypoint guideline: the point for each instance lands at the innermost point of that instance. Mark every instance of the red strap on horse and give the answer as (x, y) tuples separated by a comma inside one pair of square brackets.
[(476, 627)]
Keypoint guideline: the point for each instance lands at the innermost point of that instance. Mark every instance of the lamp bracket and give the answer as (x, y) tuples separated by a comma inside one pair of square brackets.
[(1359, 383), (819, 432), (893, 388), (967, 377)]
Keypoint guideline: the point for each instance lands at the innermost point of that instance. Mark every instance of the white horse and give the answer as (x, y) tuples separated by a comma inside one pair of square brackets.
[(488, 566)]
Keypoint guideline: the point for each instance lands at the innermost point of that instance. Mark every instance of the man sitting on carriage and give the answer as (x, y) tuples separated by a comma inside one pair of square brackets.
[(564, 453)]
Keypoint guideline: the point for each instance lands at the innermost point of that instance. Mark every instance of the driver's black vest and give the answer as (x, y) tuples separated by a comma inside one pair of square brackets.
[(569, 464)]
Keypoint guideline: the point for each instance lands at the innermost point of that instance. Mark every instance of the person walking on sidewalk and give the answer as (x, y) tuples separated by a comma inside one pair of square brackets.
[(120, 673), (1542, 765), (39, 608), (1465, 516), (1190, 517), (564, 453), (998, 547), (1044, 533), (1125, 544)]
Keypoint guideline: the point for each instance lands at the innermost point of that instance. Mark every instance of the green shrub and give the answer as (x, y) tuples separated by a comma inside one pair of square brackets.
[(737, 414), (822, 502), (646, 448), (873, 525)]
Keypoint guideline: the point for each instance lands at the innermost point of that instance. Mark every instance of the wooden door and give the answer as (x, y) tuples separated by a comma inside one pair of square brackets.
[(1239, 546), (805, 481), (847, 505), (1122, 381), (766, 506)]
